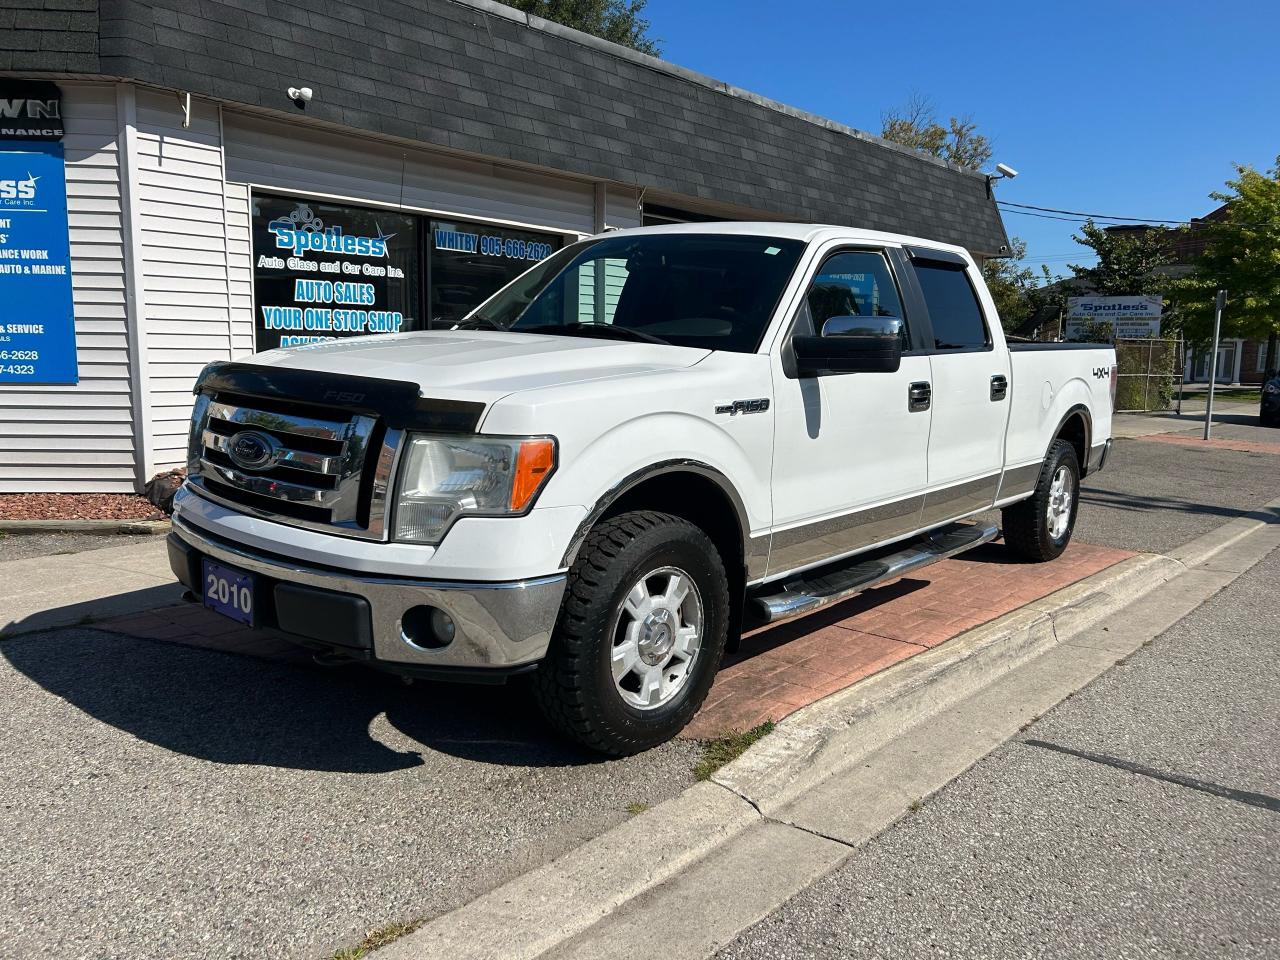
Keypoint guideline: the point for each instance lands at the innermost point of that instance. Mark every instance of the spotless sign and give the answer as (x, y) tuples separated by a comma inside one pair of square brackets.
[(1129, 317), (37, 328)]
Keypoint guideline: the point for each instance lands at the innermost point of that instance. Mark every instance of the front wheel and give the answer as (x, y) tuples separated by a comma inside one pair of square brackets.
[(641, 634), (1039, 528)]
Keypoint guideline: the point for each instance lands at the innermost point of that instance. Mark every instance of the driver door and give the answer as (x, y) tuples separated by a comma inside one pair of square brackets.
[(851, 450)]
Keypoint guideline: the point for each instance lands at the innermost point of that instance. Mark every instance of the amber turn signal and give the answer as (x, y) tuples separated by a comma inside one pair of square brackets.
[(534, 463)]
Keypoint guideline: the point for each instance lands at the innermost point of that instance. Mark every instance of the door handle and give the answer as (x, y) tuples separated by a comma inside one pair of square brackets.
[(999, 387), (919, 396)]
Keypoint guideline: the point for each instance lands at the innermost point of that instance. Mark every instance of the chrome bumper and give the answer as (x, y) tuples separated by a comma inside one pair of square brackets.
[(498, 625)]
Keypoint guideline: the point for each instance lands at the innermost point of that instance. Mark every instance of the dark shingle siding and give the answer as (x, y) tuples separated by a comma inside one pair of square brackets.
[(456, 75)]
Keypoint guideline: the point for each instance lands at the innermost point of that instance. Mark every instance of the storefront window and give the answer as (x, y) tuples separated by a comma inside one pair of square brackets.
[(323, 271), (470, 261)]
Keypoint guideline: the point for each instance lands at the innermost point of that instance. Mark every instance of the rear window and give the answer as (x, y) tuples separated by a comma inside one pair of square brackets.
[(953, 308)]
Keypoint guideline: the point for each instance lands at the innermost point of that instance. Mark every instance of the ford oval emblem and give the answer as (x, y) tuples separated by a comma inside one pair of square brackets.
[(253, 450)]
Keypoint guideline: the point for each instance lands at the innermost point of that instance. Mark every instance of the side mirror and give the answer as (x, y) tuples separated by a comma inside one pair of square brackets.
[(851, 345)]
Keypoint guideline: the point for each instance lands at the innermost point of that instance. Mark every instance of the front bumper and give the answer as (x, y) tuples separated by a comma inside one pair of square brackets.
[(500, 627)]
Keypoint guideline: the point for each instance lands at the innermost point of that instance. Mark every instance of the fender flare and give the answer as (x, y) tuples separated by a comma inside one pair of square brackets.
[(1081, 410), (633, 480)]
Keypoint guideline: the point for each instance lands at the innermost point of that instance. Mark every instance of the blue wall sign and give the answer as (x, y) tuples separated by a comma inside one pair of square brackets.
[(37, 326)]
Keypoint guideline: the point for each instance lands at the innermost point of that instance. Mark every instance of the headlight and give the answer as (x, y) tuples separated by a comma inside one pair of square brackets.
[(1271, 388), (443, 478)]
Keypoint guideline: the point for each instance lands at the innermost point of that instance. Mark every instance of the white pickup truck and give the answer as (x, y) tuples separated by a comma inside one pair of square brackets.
[(647, 441)]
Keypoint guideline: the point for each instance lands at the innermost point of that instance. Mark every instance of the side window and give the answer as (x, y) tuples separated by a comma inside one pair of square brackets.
[(851, 284), (953, 308)]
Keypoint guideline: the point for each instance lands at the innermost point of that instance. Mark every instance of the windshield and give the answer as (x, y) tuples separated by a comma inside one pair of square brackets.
[(712, 291)]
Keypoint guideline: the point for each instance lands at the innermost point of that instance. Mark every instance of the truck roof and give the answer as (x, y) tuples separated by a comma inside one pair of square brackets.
[(807, 232)]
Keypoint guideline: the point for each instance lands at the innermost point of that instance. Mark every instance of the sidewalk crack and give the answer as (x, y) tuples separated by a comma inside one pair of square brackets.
[(788, 823)]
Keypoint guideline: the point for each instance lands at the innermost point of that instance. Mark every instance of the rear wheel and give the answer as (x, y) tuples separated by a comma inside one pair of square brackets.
[(641, 634), (1040, 527)]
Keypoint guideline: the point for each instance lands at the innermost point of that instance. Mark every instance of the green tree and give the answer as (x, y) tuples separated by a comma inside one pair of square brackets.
[(1129, 262), (1242, 256), (1012, 286), (916, 125), (615, 20), (1019, 291)]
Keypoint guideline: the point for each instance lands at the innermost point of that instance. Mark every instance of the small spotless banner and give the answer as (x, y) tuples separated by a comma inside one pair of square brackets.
[(37, 330)]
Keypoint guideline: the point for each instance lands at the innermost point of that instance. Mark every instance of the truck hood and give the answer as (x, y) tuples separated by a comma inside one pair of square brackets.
[(482, 365)]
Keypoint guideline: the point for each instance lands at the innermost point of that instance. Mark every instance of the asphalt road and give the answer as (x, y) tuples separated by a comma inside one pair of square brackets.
[(1141, 818), (1155, 496), (163, 801), (18, 546)]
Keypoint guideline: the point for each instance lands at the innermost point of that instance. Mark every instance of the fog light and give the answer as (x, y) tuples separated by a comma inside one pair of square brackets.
[(428, 627), (442, 627)]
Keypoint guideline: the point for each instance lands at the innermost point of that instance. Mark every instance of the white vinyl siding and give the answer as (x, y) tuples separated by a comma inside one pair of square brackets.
[(615, 275), (80, 439), (240, 268), (186, 299), (622, 208), (269, 153)]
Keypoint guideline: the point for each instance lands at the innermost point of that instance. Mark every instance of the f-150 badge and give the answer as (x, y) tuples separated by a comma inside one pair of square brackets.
[(743, 406)]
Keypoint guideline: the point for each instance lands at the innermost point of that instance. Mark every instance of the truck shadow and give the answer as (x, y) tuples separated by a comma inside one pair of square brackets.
[(1154, 503), (231, 709)]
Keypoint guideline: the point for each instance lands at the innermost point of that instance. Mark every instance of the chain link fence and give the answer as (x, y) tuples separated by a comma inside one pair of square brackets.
[(1151, 373)]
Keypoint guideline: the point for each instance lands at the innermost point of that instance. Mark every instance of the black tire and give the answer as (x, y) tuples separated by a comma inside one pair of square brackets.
[(1268, 420), (1026, 523), (574, 684)]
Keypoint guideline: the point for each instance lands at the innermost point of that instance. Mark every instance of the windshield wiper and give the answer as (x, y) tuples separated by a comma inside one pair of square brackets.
[(607, 330), (476, 322)]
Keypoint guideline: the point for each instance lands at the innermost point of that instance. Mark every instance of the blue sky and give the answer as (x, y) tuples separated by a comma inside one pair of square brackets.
[(1130, 107)]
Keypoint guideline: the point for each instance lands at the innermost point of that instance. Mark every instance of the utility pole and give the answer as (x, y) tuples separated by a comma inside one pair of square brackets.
[(1218, 304)]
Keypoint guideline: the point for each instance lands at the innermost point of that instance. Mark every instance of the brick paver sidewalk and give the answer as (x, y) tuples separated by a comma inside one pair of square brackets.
[(788, 666), (782, 668)]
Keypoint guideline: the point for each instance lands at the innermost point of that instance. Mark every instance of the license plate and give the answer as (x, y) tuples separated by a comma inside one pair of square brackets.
[(228, 591)]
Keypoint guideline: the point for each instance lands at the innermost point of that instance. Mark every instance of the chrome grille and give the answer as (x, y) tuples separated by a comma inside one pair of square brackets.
[(316, 468)]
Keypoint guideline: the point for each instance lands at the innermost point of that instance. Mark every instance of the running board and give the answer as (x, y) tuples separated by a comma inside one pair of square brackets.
[(816, 588)]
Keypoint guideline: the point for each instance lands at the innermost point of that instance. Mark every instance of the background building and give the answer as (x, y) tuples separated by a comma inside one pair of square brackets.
[(446, 146)]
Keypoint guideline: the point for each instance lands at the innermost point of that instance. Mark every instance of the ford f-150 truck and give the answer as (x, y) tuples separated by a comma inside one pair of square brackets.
[(645, 442)]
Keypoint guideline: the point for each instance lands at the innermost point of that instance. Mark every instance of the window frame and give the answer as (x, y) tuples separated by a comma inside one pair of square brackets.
[(908, 298)]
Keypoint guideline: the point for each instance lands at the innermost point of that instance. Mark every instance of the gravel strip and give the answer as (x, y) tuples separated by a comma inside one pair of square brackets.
[(76, 506)]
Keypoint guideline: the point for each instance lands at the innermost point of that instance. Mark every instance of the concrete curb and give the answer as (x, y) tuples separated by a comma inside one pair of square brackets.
[(130, 527), (537, 911), (546, 908), (838, 731)]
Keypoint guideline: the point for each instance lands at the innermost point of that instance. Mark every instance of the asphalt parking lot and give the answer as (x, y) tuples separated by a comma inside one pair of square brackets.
[(165, 800), (1153, 496)]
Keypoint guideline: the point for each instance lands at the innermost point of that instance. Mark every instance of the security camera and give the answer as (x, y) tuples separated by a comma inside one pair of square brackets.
[(1002, 168), (300, 95)]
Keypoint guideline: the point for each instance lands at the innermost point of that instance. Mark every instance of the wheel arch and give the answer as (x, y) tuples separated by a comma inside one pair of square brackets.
[(685, 488), (1076, 427)]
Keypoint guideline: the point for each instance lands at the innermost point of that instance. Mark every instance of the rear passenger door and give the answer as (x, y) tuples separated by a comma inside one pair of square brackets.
[(970, 373)]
